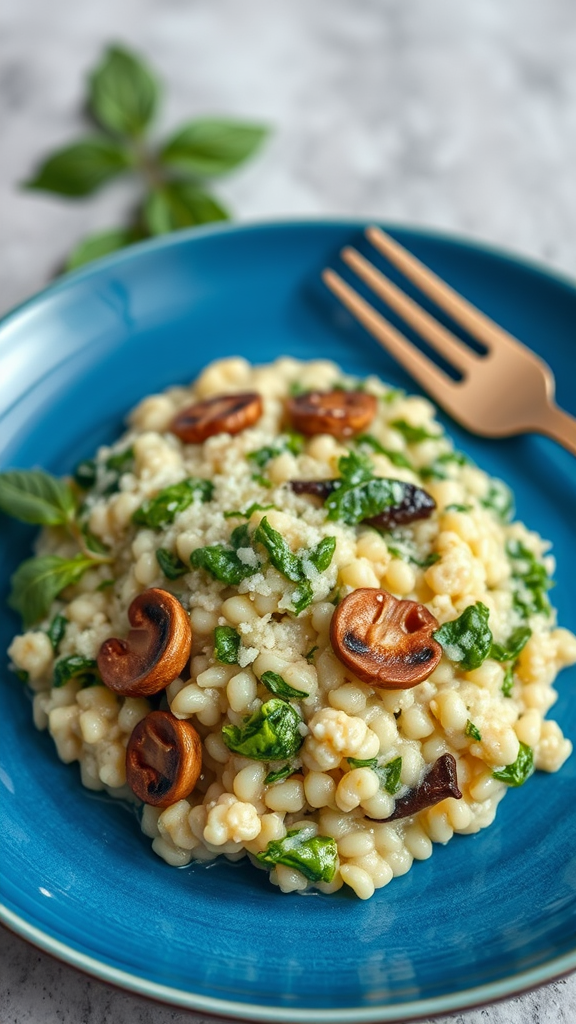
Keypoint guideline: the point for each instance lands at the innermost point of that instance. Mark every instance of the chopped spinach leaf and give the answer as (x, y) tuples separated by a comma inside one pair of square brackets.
[(402, 547), (458, 508), (472, 731), (254, 507), (270, 734), (288, 442), (280, 688), (105, 584), (355, 468), (302, 596), (412, 434), (388, 774), (508, 681), (530, 581), (280, 775), (83, 670), (172, 566), (222, 563), (467, 640), (500, 500), (392, 394), (396, 458), (279, 553), (321, 556), (259, 478), (516, 774), (226, 645), (161, 511), (56, 631), (353, 503), (85, 474), (314, 856), (515, 643)]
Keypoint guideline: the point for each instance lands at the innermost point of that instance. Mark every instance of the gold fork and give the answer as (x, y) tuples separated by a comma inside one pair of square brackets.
[(507, 391)]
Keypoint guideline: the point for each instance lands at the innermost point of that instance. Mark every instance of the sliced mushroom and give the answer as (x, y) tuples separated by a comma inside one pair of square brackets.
[(384, 641), (163, 759), (340, 413), (224, 414), (155, 651), (438, 784)]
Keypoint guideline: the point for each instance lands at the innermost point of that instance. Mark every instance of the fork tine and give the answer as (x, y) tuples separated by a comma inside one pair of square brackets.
[(463, 312), (430, 376), (454, 350)]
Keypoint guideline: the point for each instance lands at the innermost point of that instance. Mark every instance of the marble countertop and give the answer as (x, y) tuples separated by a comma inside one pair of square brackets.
[(451, 115)]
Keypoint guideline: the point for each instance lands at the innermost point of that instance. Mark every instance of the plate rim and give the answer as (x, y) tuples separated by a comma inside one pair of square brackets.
[(514, 984)]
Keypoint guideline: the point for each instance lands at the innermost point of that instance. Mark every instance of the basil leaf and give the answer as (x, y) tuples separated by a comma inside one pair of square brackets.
[(352, 504), (207, 147), (270, 734), (121, 462), (500, 500), (56, 631), (321, 556), (180, 204), (467, 640), (34, 496), (302, 596), (172, 566), (514, 645), (388, 774), (288, 442), (508, 681), (226, 645), (472, 731), (85, 474), (222, 563), (93, 543), (530, 581), (280, 688), (396, 458), (94, 247), (310, 656), (516, 774), (123, 93), (162, 510), (240, 537), (259, 478), (355, 468), (279, 553), (280, 775), (254, 507), (458, 457), (412, 434), (316, 857), (38, 581), (83, 670), (82, 168)]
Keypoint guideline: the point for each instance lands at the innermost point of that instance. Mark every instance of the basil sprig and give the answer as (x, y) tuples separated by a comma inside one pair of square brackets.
[(515, 774), (467, 640), (123, 99), (270, 734), (316, 857)]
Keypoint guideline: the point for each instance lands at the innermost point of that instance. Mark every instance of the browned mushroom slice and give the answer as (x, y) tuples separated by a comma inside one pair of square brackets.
[(416, 503), (340, 413), (438, 784), (163, 759), (224, 414), (317, 488), (155, 651), (384, 641)]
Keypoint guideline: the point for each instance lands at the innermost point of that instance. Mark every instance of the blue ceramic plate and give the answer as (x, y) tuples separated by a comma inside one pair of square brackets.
[(487, 915)]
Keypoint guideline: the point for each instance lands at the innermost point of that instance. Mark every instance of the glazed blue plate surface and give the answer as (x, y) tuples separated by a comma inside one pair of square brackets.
[(487, 915)]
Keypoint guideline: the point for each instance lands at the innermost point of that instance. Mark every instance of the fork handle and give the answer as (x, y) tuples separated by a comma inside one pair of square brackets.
[(556, 423)]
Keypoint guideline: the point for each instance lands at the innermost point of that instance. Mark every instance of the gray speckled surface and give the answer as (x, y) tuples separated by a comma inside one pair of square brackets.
[(455, 115)]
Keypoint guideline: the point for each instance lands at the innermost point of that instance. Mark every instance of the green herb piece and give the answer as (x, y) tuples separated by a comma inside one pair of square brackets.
[(105, 584), (500, 500), (269, 734), (259, 478), (161, 511), (34, 496), (85, 474), (402, 547), (396, 458), (240, 537), (355, 468), (433, 472), (254, 507), (412, 434), (472, 731), (56, 631), (226, 645), (392, 394), (82, 168), (388, 774), (279, 553), (296, 389), (310, 656), (320, 557), (458, 457), (223, 564), (458, 508), (171, 565), (302, 596), (180, 204), (316, 857), (508, 681), (121, 462), (93, 543), (289, 442), (530, 581), (280, 688), (514, 645), (83, 670), (280, 775), (209, 147), (349, 385), (467, 640), (37, 581), (352, 504), (123, 93), (516, 774)]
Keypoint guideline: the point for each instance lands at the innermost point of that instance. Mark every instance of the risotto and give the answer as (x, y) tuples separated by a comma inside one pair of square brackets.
[(286, 619)]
